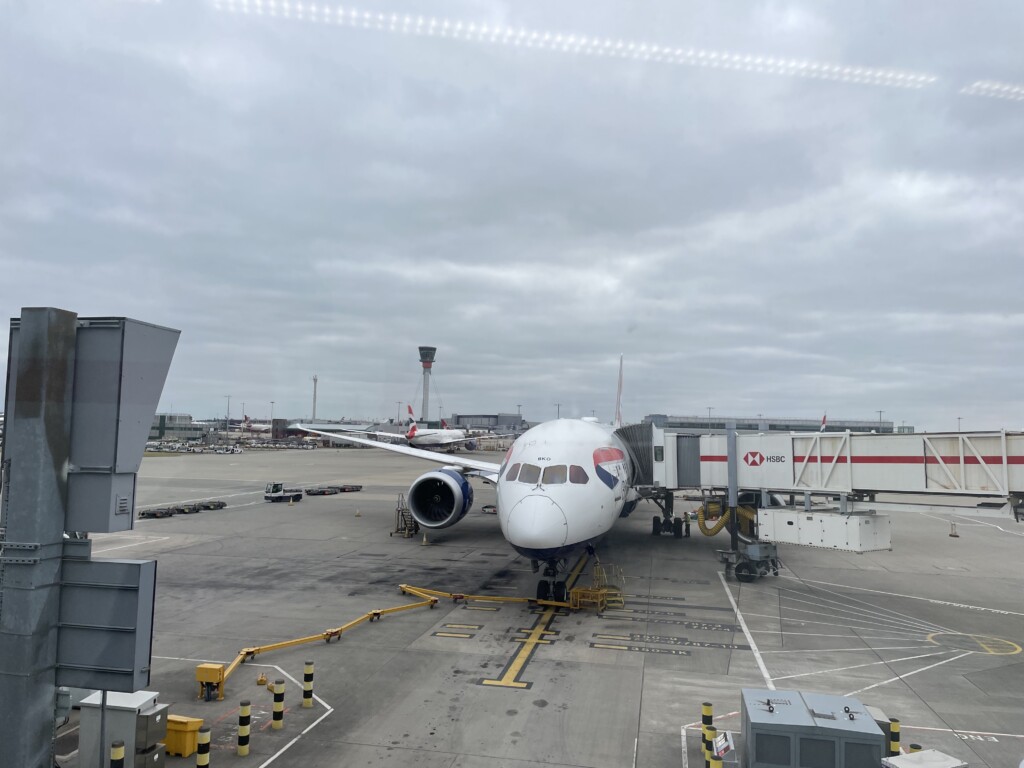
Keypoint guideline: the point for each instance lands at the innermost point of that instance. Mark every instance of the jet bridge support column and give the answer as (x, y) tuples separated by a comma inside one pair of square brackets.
[(37, 449), (734, 522)]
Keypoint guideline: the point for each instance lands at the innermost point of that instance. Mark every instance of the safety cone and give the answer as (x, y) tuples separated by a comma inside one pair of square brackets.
[(424, 542), (291, 502), (358, 513), (952, 531)]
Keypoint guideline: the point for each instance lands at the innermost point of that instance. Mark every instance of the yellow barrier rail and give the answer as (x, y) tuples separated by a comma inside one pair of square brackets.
[(213, 677)]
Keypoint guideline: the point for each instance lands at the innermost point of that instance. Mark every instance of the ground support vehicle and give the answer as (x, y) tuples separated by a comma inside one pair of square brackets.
[(278, 492), (330, 490)]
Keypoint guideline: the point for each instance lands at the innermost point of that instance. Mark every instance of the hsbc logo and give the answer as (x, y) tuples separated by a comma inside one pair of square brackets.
[(756, 459)]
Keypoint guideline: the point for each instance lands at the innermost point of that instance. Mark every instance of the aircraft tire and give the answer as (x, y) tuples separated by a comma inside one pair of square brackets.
[(543, 590), (656, 526), (560, 594), (677, 527)]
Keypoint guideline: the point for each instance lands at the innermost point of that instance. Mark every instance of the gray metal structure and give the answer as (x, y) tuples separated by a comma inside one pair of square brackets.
[(427, 361), (81, 394), (811, 730)]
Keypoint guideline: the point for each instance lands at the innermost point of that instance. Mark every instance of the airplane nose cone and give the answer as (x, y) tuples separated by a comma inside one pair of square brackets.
[(536, 522)]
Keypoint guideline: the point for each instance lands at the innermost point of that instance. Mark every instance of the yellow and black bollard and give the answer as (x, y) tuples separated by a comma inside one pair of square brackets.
[(278, 722), (709, 756), (706, 719), (203, 747), (117, 754), (894, 737), (914, 748), (307, 685), (244, 725)]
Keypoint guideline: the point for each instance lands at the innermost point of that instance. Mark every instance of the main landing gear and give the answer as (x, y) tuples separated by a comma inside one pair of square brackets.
[(550, 587), (667, 521)]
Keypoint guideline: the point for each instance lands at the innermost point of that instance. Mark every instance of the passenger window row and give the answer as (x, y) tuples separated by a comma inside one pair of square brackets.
[(556, 474)]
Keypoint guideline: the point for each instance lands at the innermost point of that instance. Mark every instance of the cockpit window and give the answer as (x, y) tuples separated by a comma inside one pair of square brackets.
[(512, 472), (554, 475), (529, 474), (578, 475)]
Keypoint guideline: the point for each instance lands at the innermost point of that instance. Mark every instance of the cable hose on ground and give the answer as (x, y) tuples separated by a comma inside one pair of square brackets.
[(747, 513)]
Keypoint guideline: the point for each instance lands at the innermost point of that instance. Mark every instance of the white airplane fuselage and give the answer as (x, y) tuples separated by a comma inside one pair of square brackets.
[(561, 487), (436, 438)]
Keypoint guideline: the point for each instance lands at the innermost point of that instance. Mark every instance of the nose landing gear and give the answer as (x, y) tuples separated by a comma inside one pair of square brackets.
[(550, 587)]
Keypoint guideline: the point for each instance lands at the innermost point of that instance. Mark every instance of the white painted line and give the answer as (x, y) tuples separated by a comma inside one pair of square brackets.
[(750, 639), (858, 666), (818, 634), (916, 597), (682, 737), (897, 620), (201, 498), (960, 730), (992, 525), (780, 619), (291, 743), (862, 649), (847, 599), (901, 677), (842, 620), (134, 544)]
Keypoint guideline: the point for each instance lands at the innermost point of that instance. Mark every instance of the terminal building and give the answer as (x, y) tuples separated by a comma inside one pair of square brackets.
[(711, 425), (489, 421), (177, 426)]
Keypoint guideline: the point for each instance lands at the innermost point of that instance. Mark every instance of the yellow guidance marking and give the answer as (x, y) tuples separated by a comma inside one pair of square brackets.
[(464, 626), (479, 608), (613, 637), (992, 646), (462, 635), (610, 647), (510, 676)]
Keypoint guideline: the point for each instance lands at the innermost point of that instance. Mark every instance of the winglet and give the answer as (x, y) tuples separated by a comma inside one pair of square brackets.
[(618, 399)]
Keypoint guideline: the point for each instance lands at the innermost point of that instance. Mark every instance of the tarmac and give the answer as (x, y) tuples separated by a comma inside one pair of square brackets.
[(930, 632)]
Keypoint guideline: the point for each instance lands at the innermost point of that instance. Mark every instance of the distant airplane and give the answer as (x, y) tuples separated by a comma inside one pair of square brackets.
[(561, 487), (248, 426), (417, 437)]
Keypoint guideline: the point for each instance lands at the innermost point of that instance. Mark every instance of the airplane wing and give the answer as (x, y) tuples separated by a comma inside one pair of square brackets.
[(389, 436), (484, 469)]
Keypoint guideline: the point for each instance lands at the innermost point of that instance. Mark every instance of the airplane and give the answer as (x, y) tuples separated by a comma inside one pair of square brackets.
[(560, 488), (436, 439), (248, 426)]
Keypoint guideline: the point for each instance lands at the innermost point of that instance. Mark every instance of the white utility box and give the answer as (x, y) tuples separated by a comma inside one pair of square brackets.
[(866, 531)]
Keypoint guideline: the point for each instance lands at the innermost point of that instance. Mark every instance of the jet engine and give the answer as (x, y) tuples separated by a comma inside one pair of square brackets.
[(440, 498), (471, 445)]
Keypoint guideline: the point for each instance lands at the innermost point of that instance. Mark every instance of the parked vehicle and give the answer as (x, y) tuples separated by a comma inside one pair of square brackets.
[(278, 492)]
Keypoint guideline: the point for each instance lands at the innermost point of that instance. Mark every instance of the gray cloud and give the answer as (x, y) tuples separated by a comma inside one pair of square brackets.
[(305, 198)]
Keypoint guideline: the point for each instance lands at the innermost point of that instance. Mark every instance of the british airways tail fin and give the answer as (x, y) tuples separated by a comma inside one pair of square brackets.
[(412, 424), (618, 399)]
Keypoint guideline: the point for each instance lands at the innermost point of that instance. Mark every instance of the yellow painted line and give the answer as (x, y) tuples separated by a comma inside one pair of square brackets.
[(614, 637), (993, 646), (534, 637), (611, 647), (463, 635), (464, 626), (480, 608)]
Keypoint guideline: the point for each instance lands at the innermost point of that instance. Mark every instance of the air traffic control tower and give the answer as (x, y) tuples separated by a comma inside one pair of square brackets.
[(427, 361)]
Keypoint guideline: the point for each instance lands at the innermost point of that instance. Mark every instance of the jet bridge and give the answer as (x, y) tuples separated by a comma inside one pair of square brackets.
[(979, 464)]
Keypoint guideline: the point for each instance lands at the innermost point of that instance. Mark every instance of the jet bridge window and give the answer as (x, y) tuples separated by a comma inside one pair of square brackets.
[(555, 474), (529, 474), (512, 472), (578, 475)]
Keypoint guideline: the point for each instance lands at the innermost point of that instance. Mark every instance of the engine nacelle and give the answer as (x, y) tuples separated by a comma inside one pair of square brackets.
[(440, 498)]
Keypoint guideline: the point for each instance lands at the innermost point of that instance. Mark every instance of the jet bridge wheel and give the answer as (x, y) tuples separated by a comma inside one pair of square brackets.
[(745, 571), (677, 527), (656, 526)]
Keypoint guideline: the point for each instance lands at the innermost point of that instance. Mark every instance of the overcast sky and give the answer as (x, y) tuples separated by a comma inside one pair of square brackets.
[(782, 208)]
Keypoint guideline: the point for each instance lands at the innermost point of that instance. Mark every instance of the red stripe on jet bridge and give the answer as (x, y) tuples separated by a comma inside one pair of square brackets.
[(997, 460)]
